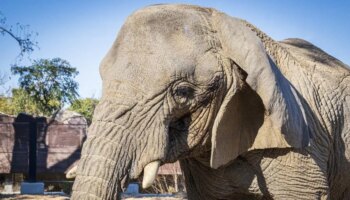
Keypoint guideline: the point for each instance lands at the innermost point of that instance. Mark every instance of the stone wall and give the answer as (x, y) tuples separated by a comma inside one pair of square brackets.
[(58, 145)]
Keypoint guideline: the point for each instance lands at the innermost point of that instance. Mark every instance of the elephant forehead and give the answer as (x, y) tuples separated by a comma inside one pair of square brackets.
[(156, 46), (152, 73)]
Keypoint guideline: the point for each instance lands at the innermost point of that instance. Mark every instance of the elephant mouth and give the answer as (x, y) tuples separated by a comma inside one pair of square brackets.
[(150, 172), (175, 128)]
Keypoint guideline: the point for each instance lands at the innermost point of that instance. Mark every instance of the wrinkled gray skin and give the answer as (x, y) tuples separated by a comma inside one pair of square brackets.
[(248, 117)]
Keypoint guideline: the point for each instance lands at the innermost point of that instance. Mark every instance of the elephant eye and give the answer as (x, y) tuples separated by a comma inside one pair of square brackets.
[(182, 93)]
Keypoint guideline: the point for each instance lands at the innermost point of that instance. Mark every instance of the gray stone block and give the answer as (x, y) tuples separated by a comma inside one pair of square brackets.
[(133, 188), (32, 188)]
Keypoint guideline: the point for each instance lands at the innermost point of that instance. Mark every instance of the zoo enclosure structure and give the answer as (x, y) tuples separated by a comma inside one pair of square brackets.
[(58, 146), (169, 180)]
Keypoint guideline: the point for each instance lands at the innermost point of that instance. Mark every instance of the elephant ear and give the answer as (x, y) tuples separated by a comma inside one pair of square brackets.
[(267, 112)]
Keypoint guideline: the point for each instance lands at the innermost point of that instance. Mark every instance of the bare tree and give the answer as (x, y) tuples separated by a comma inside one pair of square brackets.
[(4, 78), (21, 33)]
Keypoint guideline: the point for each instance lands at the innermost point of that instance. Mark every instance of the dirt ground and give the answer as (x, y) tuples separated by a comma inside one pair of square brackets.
[(32, 197), (153, 198), (60, 197)]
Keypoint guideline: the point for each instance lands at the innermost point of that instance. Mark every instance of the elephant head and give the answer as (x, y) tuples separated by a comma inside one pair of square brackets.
[(180, 81)]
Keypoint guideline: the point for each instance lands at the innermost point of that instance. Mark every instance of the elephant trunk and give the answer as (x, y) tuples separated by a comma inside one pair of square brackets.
[(120, 146), (105, 163)]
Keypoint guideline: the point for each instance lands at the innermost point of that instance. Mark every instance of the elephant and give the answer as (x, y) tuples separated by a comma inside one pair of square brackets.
[(247, 117)]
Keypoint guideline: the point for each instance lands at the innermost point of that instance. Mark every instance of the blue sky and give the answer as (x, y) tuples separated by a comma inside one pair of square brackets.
[(82, 31)]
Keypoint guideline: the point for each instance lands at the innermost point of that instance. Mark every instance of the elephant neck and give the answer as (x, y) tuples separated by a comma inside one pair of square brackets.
[(231, 182), (310, 71), (282, 57)]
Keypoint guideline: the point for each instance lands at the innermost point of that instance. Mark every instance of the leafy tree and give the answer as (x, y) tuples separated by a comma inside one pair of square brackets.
[(21, 33), (17, 103), (21, 102), (85, 107), (6, 105), (48, 83)]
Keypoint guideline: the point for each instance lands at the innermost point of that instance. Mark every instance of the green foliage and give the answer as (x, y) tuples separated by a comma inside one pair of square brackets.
[(85, 107), (20, 102), (6, 106), (48, 83)]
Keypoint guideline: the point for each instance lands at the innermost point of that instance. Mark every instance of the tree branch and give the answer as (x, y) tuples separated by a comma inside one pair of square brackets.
[(18, 39)]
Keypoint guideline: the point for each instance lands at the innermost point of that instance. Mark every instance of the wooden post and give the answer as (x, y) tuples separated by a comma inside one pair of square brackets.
[(175, 181)]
